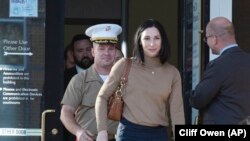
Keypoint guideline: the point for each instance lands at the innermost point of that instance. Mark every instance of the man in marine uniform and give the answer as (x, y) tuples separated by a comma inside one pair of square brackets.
[(78, 112)]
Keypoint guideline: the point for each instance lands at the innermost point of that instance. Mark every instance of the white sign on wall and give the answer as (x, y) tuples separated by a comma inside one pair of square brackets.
[(23, 8)]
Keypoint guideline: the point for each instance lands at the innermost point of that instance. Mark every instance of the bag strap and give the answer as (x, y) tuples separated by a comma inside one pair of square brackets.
[(124, 77)]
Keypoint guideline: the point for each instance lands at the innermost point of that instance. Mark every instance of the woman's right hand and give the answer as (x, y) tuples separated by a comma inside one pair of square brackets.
[(102, 136)]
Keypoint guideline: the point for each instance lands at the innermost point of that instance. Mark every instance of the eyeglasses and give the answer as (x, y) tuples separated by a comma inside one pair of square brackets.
[(206, 37)]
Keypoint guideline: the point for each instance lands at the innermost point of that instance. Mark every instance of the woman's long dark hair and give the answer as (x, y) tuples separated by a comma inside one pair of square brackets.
[(164, 52)]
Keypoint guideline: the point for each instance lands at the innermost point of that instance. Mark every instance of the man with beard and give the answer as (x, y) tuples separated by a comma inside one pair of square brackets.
[(78, 103), (81, 49)]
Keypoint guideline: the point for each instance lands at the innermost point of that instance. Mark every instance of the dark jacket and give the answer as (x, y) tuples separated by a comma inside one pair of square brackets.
[(223, 94), (68, 74)]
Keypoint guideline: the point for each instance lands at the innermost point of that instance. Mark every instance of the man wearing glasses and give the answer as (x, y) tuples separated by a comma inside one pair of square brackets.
[(223, 94)]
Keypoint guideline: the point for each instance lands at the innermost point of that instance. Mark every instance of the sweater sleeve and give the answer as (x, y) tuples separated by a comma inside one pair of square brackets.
[(176, 102), (105, 92)]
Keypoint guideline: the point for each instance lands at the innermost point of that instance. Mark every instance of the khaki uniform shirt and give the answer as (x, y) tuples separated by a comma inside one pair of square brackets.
[(81, 93)]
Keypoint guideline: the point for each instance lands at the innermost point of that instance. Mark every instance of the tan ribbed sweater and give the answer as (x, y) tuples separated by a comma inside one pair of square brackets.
[(152, 91)]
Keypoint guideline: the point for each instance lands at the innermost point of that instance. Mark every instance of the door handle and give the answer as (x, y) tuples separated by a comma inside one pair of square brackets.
[(44, 120)]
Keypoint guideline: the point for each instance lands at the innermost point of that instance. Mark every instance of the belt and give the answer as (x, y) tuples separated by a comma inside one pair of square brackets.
[(109, 140), (111, 137)]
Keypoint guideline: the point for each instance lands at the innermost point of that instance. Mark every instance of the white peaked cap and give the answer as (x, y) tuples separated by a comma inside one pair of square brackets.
[(104, 33)]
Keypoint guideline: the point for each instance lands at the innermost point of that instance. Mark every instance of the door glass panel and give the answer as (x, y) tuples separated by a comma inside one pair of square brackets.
[(22, 65)]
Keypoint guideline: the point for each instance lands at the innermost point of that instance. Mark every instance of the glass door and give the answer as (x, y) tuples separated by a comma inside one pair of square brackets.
[(24, 106)]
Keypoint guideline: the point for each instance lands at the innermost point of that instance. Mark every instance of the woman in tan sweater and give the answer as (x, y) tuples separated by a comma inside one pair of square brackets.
[(153, 92)]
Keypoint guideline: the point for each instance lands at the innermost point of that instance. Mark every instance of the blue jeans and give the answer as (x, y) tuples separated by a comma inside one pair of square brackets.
[(128, 131)]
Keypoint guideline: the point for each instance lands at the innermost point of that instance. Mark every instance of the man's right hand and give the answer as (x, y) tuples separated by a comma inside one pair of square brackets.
[(84, 135)]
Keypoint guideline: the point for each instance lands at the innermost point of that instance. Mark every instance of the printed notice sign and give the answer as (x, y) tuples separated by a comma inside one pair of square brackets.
[(23, 8)]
